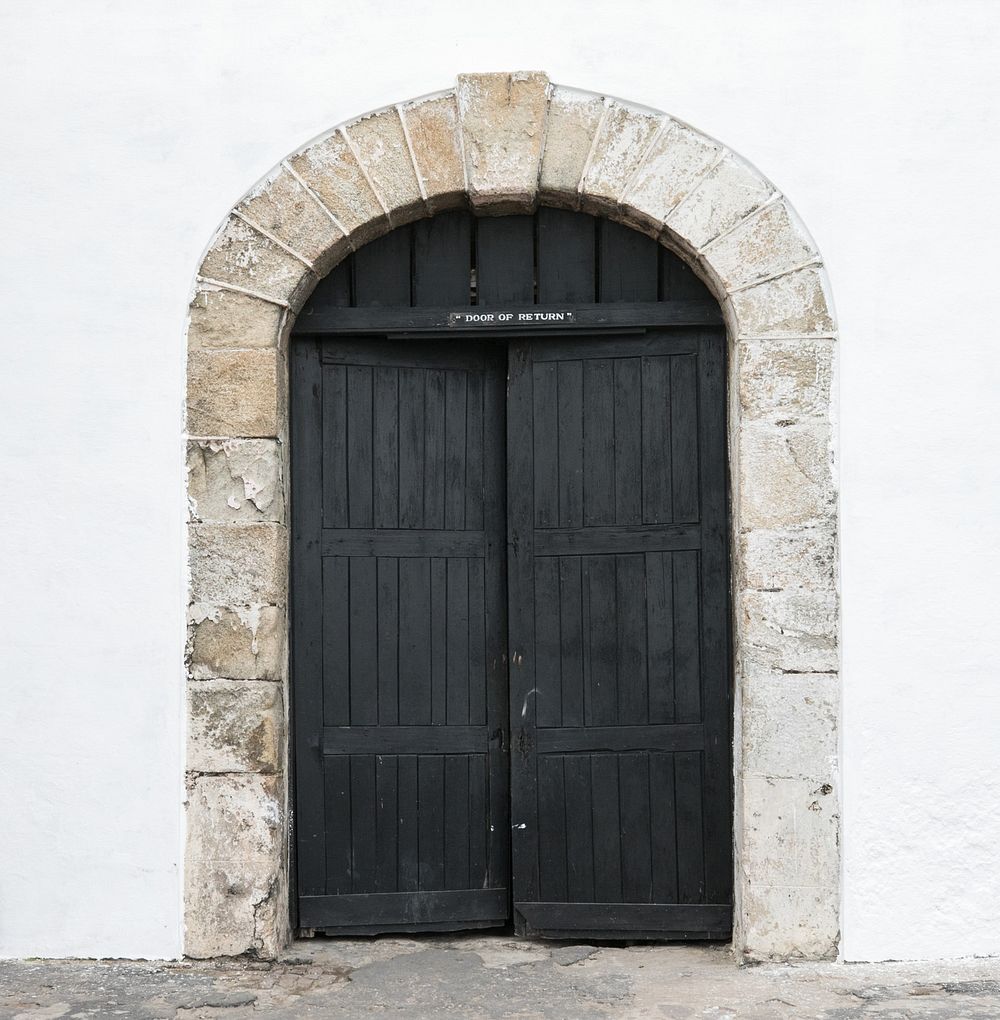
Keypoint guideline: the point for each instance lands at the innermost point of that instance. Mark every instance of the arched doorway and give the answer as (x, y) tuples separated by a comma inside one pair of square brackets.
[(509, 144)]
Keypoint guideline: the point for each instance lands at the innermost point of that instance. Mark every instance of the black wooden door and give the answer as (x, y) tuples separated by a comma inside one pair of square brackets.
[(620, 757), (399, 631)]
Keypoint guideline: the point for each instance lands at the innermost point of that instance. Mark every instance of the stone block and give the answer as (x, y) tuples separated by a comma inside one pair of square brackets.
[(622, 141), (380, 142), (433, 130), (727, 194), (786, 632), (768, 243), (286, 210), (677, 160), (238, 564), (785, 476), (235, 480), (789, 727), (783, 922), (332, 171), (227, 318), (784, 380), (792, 305), (244, 257), (235, 817), (236, 393), (573, 120), (503, 128), (244, 644), (803, 558), (234, 726)]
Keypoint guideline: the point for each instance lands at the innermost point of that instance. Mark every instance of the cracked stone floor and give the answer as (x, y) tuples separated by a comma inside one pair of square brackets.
[(476, 977)]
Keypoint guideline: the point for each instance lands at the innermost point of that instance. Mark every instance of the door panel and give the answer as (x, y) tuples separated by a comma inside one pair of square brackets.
[(399, 630), (619, 638)]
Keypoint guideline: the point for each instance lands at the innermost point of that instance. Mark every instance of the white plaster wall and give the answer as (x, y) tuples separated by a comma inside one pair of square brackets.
[(128, 131)]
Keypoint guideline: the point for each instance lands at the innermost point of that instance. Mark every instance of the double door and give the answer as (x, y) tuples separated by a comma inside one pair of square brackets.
[(510, 648)]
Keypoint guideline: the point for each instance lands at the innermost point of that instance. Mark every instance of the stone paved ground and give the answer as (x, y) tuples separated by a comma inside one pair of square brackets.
[(493, 977)]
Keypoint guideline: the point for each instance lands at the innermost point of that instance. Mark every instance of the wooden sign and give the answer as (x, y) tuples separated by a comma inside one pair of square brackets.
[(502, 318)]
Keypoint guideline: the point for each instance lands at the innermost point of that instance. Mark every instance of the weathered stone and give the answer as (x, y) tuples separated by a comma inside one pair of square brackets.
[(286, 210), (621, 145), (236, 817), (244, 644), (769, 242), (433, 130), (786, 632), (503, 124), (785, 476), (573, 120), (332, 171), (727, 194), (227, 318), (675, 162), (234, 726), (236, 393), (380, 143), (781, 380), (238, 564), (244, 257), (235, 480), (790, 727), (782, 922), (792, 305), (804, 558)]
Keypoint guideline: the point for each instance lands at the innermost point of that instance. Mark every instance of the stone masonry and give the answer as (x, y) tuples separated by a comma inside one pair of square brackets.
[(505, 143)]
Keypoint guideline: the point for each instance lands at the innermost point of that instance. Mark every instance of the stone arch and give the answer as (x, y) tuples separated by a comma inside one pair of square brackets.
[(505, 143)]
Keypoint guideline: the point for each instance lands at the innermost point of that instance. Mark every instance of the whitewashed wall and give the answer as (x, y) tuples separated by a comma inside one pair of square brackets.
[(128, 131)]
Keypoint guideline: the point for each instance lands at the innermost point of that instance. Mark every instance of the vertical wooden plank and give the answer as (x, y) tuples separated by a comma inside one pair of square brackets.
[(690, 834), (455, 434), (657, 503), (548, 680), (359, 446), (333, 291), (337, 821), (570, 440), (505, 260), (382, 271), (456, 821), (336, 641), (438, 608), (629, 264), (546, 452), (579, 829), (628, 440), (411, 448), (630, 598), (434, 452), (663, 827), (678, 281), (430, 791), (333, 453), (480, 832), (571, 639), (457, 642), (637, 865), (684, 438), (386, 448), (364, 640), (365, 851), (687, 638), (408, 830), (307, 614), (442, 259), (598, 442), (566, 257), (607, 828), (551, 829), (660, 636), (476, 665), (474, 440), (603, 640), (386, 823), (388, 640), (414, 642)]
